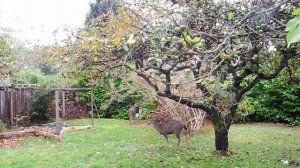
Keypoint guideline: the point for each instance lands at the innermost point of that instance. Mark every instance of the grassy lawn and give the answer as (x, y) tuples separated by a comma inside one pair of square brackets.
[(116, 143)]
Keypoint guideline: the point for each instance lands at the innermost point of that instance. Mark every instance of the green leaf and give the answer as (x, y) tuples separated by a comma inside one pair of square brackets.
[(151, 59), (230, 15), (185, 33), (296, 12), (293, 24), (293, 37), (293, 28), (189, 39), (199, 45), (196, 39), (126, 48)]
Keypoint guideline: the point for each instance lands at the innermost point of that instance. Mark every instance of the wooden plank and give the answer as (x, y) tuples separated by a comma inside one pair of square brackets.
[(11, 107), (57, 107), (25, 106), (22, 103), (63, 105), (5, 107), (16, 100)]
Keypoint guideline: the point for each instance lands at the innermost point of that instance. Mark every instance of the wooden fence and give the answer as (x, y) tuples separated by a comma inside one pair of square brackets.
[(14, 102)]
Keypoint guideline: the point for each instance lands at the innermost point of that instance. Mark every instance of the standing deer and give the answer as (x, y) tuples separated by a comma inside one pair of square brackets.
[(169, 127), (133, 112)]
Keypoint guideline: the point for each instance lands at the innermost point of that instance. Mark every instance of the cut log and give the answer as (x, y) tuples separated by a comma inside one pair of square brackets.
[(19, 133), (31, 131), (54, 132)]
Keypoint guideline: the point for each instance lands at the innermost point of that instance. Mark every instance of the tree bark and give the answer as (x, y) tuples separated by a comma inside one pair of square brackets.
[(221, 140), (221, 129)]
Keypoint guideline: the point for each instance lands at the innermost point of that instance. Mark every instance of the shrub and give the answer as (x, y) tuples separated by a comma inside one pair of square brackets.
[(146, 108), (244, 110), (2, 126), (276, 101), (27, 77), (114, 96), (40, 111), (34, 76)]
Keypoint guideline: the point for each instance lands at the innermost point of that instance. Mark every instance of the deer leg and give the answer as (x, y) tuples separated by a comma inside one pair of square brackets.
[(137, 64), (186, 137), (166, 137), (178, 140)]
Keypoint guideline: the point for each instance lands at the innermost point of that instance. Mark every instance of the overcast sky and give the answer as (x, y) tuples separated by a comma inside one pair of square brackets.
[(35, 20)]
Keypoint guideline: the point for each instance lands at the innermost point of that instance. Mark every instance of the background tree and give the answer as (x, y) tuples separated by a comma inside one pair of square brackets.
[(6, 55), (101, 7), (12, 55)]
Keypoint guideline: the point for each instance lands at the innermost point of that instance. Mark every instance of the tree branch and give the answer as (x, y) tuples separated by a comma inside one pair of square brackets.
[(189, 102), (286, 55)]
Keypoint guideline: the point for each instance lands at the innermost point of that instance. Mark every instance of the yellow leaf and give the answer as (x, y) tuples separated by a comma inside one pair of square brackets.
[(96, 59), (184, 44)]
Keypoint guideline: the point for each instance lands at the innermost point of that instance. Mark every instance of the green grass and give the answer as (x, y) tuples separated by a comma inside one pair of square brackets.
[(116, 143)]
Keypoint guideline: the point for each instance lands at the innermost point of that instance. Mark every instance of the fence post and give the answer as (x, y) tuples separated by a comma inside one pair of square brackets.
[(63, 105)]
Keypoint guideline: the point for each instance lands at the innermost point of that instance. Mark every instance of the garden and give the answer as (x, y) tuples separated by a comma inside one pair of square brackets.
[(220, 77)]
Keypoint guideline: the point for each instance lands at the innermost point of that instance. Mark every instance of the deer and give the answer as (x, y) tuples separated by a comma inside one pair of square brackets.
[(133, 112), (169, 127)]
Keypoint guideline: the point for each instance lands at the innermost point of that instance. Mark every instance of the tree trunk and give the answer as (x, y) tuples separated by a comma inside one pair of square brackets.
[(221, 140), (221, 134)]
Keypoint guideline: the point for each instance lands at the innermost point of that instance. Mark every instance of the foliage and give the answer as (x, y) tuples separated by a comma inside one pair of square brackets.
[(146, 108), (2, 126), (27, 77), (40, 111), (48, 59), (128, 145), (114, 96), (47, 69), (276, 101), (34, 76), (293, 28), (244, 110), (13, 52), (6, 55)]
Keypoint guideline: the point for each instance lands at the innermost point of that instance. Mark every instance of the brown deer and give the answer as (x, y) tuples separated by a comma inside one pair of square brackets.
[(133, 112), (169, 127)]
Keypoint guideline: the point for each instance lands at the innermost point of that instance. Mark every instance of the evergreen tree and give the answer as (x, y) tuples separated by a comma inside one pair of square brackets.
[(101, 7)]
